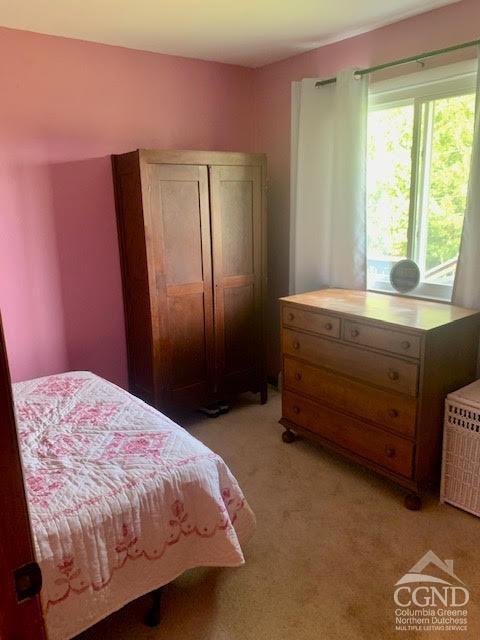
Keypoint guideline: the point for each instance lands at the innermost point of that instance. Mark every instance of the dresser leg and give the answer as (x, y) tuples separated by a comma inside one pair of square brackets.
[(288, 436), (413, 502)]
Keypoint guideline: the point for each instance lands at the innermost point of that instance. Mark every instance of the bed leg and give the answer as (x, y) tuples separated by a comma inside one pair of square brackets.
[(153, 615)]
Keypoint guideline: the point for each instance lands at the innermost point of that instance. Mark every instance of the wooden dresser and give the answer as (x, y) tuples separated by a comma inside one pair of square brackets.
[(367, 375)]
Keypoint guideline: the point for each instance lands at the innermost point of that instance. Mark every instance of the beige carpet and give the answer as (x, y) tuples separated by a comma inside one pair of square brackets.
[(332, 541)]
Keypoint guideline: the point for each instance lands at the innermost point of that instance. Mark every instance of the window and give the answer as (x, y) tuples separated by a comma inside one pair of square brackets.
[(420, 132)]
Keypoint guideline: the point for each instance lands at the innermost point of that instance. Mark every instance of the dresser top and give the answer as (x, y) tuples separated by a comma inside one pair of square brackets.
[(422, 315)]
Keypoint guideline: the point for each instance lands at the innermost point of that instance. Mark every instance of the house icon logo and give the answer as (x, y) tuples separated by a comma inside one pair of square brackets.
[(416, 573), (427, 591)]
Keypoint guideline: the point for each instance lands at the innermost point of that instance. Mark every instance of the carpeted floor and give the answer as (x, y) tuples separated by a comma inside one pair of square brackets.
[(332, 541)]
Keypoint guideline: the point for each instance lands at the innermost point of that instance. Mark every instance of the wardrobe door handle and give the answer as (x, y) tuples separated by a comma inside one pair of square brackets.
[(393, 375), (296, 409), (354, 333), (296, 345), (393, 413), (405, 345), (298, 376), (328, 326), (290, 317), (390, 451)]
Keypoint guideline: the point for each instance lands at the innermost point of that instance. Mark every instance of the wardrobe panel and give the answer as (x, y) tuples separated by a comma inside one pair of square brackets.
[(133, 229), (136, 289), (140, 355), (182, 231), (240, 326), (237, 226), (186, 321)]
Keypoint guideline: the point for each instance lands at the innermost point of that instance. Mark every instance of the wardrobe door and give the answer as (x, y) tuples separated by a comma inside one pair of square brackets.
[(178, 244), (236, 216)]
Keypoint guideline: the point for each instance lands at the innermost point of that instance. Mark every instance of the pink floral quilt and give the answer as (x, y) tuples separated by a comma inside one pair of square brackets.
[(122, 500)]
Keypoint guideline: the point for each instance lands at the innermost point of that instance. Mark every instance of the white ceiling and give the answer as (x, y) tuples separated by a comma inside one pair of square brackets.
[(245, 32)]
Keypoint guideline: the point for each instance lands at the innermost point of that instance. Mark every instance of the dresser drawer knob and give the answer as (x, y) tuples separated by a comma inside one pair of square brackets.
[(390, 451), (296, 409), (328, 326), (354, 333), (296, 345), (290, 317), (393, 413), (393, 375), (298, 375), (406, 345)]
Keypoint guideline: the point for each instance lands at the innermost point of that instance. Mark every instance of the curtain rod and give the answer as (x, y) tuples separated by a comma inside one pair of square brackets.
[(395, 63)]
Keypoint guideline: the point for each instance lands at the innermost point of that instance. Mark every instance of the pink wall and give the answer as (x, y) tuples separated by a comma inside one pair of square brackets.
[(434, 30), (65, 106)]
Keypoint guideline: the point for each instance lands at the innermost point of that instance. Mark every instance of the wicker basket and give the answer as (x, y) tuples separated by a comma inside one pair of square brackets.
[(461, 449)]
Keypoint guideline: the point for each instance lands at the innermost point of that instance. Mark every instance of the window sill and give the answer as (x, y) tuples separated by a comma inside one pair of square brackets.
[(424, 291)]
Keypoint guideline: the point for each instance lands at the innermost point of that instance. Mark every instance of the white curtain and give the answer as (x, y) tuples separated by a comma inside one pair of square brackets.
[(328, 171), (466, 290)]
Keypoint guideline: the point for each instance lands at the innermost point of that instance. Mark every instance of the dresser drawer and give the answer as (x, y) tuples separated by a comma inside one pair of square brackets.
[(393, 410), (317, 322), (383, 448), (385, 371), (406, 344)]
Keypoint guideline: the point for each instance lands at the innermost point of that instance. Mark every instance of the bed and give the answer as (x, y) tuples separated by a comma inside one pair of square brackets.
[(122, 500)]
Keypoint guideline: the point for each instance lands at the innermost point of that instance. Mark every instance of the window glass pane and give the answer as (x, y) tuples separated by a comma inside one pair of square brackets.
[(390, 137), (452, 134)]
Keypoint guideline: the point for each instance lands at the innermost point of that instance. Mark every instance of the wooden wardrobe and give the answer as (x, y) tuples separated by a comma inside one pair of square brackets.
[(192, 234)]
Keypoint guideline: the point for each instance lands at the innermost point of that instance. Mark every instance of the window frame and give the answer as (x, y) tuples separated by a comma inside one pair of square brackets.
[(419, 90)]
